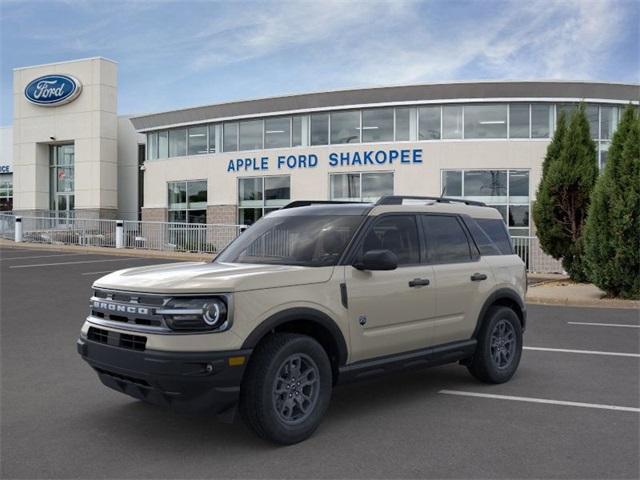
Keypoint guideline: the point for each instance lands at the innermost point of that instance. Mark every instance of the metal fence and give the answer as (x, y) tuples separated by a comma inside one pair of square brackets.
[(191, 237), (7, 226), (179, 237), (528, 248), (183, 237), (69, 231)]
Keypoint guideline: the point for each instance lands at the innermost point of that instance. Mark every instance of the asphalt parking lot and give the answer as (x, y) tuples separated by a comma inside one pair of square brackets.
[(571, 411)]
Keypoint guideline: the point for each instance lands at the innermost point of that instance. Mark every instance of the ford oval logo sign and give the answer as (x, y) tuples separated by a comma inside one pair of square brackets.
[(53, 90)]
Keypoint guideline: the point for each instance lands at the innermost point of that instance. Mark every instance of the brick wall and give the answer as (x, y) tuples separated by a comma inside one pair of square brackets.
[(224, 214), (154, 214)]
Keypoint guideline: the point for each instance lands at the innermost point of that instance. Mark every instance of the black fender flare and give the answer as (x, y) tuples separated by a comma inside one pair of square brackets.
[(300, 313), (500, 294)]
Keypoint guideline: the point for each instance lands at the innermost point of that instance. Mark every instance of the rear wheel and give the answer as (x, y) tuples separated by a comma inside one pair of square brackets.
[(287, 388), (499, 346)]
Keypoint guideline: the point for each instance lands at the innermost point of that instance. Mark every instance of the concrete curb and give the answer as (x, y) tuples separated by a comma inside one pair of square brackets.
[(126, 252), (589, 303)]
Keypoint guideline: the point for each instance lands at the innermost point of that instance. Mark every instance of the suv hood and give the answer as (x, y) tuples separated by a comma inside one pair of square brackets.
[(205, 277)]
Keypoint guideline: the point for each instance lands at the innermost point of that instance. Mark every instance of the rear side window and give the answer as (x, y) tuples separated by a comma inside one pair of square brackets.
[(496, 230), (446, 240), (396, 233), (485, 244)]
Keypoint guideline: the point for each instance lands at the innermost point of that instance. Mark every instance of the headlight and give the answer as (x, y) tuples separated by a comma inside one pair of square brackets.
[(196, 314)]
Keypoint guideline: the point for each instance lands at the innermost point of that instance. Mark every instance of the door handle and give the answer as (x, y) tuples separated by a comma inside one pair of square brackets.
[(419, 282), (478, 277)]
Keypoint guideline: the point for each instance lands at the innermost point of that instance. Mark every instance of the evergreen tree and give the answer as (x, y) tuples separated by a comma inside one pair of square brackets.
[(548, 231), (612, 233), (563, 197)]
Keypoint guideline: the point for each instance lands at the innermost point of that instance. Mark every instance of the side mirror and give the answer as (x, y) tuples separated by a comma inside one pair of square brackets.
[(377, 260)]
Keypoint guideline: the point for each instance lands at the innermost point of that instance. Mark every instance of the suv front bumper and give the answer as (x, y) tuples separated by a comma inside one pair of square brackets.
[(185, 381)]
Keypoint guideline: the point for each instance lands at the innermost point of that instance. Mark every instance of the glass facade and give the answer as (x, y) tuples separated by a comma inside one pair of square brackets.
[(508, 191), (277, 132), (485, 121), (377, 125), (360, 186), (61, 179), (383, 124), (429, 123), (258, 196), (345, 127), (6, 192), (187, 201)]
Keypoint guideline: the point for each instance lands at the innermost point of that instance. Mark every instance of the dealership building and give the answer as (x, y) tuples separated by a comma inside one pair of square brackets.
[(69, 151)]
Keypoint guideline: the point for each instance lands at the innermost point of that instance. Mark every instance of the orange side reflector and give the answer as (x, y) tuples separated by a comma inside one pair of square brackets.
[(236, 361)]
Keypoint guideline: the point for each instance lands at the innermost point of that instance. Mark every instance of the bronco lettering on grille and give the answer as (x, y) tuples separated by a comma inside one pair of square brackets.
[(116, 307)]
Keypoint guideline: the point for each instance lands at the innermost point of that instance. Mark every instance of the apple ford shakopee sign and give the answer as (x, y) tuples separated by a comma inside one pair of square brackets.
[(53, 90)]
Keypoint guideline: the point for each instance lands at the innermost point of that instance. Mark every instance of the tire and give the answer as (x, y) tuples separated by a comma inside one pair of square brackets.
[(497, 358), (275, 406)]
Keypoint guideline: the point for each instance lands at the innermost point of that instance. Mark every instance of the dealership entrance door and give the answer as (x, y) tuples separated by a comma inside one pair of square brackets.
[(61, 180)]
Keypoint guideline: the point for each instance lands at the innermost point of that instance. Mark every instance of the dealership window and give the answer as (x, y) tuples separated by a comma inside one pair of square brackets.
[(258, 196), (152, 146), (345, 127), (197, 140), (61, 179), (360, 187), (452, 121), (320, 129), (541, 120), (251, 133), (230, 137), (403, 124), (178, 142), (377, 125), (277, 132), (429, 123), (608, 121), (592, 112), (188, 201), (296, 131), (212, 138), (485, 121), (519, 120), (505, 190), (6, 192), (163, 144)]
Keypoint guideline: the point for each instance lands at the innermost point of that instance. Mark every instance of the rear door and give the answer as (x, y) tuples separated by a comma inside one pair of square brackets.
[(462, 277), (390, 311)]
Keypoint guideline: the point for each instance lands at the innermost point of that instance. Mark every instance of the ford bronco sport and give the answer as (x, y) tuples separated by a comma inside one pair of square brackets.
[(312, 295)]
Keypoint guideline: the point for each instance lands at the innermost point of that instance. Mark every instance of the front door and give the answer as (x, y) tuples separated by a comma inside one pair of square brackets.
[(390, 311)]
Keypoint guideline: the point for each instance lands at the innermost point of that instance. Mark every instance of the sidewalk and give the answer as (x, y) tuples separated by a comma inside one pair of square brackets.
[(127, 252), (565, 292)]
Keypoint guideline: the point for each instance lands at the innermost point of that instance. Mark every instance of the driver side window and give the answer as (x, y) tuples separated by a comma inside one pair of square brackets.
[(397, 233)]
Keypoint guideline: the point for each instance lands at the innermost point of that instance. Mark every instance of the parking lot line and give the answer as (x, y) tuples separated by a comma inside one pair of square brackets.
[(41, 256), (604, 324), (95, 273), (74, 263), (540, 400), (588, 352)]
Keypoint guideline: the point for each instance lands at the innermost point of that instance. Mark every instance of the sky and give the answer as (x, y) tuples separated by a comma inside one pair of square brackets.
[(176, 54)]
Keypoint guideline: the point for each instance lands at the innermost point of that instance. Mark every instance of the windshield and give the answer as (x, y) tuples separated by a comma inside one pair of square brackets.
[(310, 241)]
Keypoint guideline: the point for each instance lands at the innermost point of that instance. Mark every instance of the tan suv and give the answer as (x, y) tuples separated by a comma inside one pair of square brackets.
[(315, 294)]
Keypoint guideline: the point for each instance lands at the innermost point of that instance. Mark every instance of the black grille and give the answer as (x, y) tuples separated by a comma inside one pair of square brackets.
[(98, 335), (122, 340), (133, 342)]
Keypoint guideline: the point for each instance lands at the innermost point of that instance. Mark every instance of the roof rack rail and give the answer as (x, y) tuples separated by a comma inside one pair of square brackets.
[(397, 200), (306, 203)]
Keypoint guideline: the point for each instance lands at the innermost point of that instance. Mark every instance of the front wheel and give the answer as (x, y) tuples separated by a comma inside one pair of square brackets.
[(287, 388), (499, 346)]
